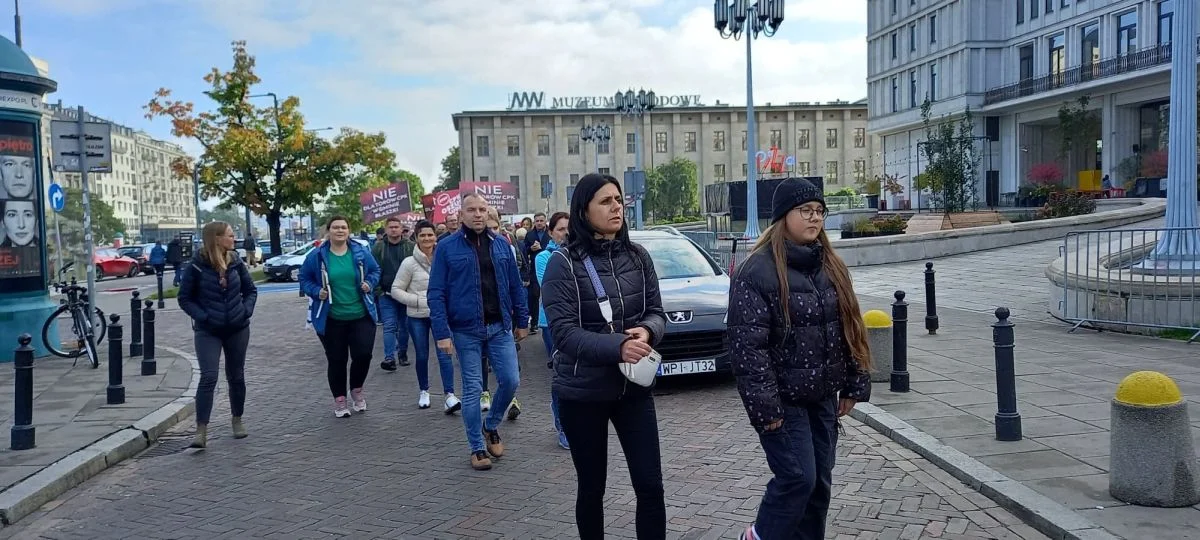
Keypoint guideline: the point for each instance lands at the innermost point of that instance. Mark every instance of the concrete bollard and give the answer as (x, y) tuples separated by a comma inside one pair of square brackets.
[(879, 338), (1153, 462)]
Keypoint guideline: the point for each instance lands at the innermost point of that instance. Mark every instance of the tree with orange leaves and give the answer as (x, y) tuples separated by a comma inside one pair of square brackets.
[(259, 158)]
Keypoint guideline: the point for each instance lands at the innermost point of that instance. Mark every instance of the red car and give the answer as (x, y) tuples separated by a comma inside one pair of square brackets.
[(109, 262)]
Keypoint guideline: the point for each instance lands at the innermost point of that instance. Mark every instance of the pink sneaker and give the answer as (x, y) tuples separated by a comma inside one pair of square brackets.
[(360, 401), (340, 410)]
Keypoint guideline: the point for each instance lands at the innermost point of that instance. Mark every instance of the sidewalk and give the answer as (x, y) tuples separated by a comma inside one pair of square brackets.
[(78, 435), (1064, 386)]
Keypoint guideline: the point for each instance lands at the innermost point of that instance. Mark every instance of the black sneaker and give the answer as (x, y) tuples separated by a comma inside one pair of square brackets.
[(514, 410), (388, 365), (403, 362)]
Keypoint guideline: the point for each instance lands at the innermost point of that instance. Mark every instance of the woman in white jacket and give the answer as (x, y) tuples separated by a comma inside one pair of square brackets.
[(409, 288)]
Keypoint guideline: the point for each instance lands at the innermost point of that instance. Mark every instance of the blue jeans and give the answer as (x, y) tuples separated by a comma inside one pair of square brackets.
[(502, 355), (395, 327), (419, 329), (549, 341), (801, 454)]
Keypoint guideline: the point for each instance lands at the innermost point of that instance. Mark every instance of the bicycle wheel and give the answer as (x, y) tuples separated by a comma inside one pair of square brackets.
[(59, 347), (89, 345), (100, 326)]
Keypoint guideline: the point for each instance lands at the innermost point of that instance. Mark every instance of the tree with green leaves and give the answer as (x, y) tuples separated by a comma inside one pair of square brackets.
[(451, 171), (344, 198), (952, 160), (672, 189), (261, 157)]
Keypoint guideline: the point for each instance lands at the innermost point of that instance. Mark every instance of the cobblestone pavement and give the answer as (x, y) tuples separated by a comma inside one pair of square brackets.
[(400, 472)]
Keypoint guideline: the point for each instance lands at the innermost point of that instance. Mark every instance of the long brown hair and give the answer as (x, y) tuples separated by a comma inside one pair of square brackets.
[(774, 241), (212, 252)]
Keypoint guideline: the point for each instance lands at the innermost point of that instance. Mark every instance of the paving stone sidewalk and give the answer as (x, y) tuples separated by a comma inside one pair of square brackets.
[(1065, 382), (400, 472), (70, 413)]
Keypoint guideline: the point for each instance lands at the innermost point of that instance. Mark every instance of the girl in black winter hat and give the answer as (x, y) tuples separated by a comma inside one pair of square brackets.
[(799, 351)]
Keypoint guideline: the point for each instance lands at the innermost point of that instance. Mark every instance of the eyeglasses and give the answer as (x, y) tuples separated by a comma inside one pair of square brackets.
[(807, 212)]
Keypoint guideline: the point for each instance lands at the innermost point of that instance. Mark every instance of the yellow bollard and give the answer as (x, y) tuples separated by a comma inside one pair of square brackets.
[(879, 338), (1152, 460)]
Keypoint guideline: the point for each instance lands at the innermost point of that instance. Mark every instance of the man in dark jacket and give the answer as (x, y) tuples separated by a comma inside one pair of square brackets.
[(175, 259), (389, 252), (535, 241), (475, 300), (158, 257)]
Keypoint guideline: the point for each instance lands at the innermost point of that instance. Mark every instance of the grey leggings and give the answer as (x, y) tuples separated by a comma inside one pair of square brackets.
[(208, 353)]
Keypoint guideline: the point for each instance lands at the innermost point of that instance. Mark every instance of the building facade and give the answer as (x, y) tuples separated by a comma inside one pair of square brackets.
[(529, 147), (1016, 64), (143, 192)]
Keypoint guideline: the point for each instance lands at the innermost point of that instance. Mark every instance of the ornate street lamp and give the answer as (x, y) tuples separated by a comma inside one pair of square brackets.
[(733, 19), (599, 133), (635, 106)]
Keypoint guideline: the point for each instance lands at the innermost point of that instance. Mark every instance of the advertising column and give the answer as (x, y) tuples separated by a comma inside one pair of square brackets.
[(24, 298)]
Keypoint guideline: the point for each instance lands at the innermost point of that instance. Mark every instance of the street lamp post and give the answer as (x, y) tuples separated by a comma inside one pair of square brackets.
[(751, 19), (635, 106), (599, 133)]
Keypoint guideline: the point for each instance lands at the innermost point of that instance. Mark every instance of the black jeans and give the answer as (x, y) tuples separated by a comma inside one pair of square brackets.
[(352, 341), (208, 354), (801, 454), (586, 426), (534, 294)]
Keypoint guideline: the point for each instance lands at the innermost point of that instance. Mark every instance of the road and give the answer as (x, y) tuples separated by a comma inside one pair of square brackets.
[(400, 472)]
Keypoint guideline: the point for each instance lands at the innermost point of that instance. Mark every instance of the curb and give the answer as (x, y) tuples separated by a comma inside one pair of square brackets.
[(1037, 510), (26, 496)]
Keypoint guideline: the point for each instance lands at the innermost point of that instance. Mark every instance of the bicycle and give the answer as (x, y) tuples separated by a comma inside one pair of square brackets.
[(84, 328)]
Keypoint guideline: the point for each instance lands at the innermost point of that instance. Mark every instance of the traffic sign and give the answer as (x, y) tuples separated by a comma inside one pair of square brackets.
[(58, 198), (64, 141)]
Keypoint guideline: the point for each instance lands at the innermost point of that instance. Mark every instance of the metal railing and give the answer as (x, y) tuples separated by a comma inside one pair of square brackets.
[(1112, 280), (1155, 55)]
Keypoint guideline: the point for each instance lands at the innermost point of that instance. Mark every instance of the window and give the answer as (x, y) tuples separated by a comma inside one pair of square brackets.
[(744, 140), (912, 38), (802, 138), (860, 170), (514, 145), (1058, 54), (744, 173), (895, 95), (605, 171), (933, 82), (630, 143), (933, 28), (804, 168), (574, 179), (1127, 33), (1064, 3), (482, 146), (860, 137), (1033, 9), (1089, 47), (689, 141), (1025, 53), (831, 172), (514, 179), (776, 138), (660, 142), (718, 141), (1166, 15), (831, 138), (573, 145), (895, 45), (1049, 6), (547, 188), (719, 172), (893, 7), (1020, 12), (485, 179), (543, 145), (912, 89), (602, 147)]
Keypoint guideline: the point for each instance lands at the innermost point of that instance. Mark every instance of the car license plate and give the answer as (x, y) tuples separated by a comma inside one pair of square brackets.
[(687, 368)]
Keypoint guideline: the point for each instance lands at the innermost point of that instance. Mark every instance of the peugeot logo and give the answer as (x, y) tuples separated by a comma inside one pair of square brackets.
[(679, 317)]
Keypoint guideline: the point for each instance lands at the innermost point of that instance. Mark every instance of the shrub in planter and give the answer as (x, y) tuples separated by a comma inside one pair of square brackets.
[(1066, 204), (895, 224)]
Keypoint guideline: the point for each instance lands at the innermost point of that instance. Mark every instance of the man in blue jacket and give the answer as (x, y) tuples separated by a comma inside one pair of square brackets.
[(475, 297), (158, 257)]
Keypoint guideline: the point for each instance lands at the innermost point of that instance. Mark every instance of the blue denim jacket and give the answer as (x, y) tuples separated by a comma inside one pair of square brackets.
[(312, 280)]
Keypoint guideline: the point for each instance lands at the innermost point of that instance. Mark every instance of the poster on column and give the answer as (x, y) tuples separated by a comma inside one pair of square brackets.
[(20, 208), (499, 195)]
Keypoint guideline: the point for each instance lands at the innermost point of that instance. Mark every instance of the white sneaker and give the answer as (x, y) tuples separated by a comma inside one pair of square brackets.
[(453, 404), (360, 401), (340, 410), (423, 401), (485, 401)]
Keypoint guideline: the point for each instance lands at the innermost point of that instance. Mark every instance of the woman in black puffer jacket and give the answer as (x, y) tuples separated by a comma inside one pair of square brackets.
[(591, 388), (799, 352), (218, 293)]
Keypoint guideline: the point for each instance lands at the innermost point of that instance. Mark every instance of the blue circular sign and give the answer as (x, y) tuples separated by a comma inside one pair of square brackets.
[(58, 198)]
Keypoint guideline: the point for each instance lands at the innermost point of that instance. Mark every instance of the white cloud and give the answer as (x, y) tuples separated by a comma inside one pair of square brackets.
[(566, 47)]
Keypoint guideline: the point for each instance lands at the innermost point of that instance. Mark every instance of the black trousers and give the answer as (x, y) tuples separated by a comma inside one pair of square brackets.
[(586, 426), (534, 296), (351, 341)]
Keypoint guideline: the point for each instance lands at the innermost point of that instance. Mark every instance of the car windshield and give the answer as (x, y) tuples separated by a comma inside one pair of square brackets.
[(676, 258), (107, 253), (131, 251)]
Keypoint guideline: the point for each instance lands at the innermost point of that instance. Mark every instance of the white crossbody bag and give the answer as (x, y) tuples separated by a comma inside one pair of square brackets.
[(643, 372)]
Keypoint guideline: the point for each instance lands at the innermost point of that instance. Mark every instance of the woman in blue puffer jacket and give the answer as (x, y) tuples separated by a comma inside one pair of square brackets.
[(218, 293), (558, 237)]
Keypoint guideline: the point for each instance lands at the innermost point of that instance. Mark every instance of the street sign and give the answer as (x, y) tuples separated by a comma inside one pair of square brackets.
[(58, 199), (64, 143)]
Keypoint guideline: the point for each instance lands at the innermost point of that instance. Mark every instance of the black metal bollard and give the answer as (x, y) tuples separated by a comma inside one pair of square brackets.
[(23, 432), (149, 364), (931, 316), (135, 325), (899, 382), (1008, 420), (116, 365), (162, 303)]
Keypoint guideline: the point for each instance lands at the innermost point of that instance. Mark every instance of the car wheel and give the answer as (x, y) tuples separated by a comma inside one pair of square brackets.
[(133, 272), (99, 272), (294, 274)]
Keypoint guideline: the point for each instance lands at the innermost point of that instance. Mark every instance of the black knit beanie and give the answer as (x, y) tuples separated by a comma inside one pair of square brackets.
[(791, 193)]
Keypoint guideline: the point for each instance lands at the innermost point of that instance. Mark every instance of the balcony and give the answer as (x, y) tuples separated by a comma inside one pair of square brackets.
[(1108, 67)]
